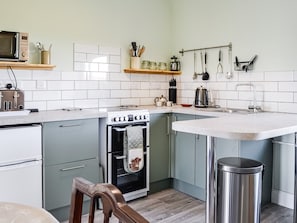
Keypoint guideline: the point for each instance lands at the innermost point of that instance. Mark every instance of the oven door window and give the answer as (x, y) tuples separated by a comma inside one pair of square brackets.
[(127, 182), (117, 139)]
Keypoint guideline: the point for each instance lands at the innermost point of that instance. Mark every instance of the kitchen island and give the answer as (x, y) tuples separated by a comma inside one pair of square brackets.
[(257, 126)]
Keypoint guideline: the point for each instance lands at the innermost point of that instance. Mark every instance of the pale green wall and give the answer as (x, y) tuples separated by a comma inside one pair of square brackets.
[(112, 23), (264, 27)]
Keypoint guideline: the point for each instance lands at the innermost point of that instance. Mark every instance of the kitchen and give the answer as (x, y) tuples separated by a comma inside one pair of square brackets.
[(107, 25)]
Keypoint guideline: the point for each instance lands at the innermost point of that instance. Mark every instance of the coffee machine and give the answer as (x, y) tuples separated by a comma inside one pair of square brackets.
[(172, 90)]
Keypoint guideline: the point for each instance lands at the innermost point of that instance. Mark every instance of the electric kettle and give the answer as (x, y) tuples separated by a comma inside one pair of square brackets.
[(201, 97)]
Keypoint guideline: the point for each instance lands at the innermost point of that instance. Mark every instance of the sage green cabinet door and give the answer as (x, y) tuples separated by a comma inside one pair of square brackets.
[(58, 181), (68, 141), (184, 153), (200, 164), (159, 147), (284, 163)]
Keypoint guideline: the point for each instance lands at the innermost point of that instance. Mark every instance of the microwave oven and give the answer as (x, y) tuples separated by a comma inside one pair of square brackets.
[(14, 46)]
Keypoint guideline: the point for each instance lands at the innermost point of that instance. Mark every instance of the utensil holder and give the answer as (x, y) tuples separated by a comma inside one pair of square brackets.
[(135, 62), (45, 57)]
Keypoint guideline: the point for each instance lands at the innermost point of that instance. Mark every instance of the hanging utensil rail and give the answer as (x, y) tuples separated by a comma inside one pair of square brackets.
[(206, 48)]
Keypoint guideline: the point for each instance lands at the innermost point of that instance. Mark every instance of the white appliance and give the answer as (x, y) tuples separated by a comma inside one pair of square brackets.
[(21, 165)]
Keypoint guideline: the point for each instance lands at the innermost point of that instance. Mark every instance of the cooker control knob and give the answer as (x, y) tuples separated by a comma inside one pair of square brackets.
[(120, 119), (144, 117), (136, 117), (125, 118), (116, 119)]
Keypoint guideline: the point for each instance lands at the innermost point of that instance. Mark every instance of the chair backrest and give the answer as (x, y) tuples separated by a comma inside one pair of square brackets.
[(112, 200)]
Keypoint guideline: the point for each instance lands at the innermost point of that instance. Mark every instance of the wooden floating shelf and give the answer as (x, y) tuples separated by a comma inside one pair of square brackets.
[(24, 65), (147, 71)]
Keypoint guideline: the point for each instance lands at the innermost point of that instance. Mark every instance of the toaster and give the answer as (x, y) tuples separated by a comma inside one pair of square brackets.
[(11, 100)]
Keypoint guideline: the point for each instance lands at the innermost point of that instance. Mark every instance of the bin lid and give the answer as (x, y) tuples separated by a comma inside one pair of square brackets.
[(239, 165)]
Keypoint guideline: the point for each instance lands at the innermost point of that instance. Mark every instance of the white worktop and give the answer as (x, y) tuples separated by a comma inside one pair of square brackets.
[(221, 124), (244, 127)]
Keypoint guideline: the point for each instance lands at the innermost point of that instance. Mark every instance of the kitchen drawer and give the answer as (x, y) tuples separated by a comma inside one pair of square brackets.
[(69, 141), (58, 181)]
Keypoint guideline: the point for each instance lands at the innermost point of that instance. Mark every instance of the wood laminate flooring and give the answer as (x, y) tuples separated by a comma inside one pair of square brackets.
[(171, 206)]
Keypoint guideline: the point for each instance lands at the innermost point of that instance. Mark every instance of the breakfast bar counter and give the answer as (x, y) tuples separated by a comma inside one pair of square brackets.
[(256, 126)]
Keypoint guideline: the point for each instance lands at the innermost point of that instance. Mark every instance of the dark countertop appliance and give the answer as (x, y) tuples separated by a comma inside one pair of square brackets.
[(172, 90)]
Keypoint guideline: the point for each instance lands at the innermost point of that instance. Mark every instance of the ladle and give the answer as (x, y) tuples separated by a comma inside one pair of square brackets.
[(205, 76)]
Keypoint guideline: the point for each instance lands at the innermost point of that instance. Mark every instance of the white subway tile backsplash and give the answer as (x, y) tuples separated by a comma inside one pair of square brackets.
[(287, 107), (267, 86), (96, 58), (251, 76), (28, 95), (130, 101), (109, 85), (87, 103), (130, 85), (142, 93), (46, 75), (104, 102), (103, 67), (98, 93), (140, 77), (46, 95), (60, 85), (80, 57), (23, 74), (27, 85), (115, 68), (120, 94), (74, 75), (98, 81), (110, 50), (53, 105), (233, 95), (119, 76), (157, 93), (146, 101), (269, 106), (287, 86), (41, 105), (278, 97), (279, 76), (115, 59), (86, 85), (97, 76), (79, 66), (144, 85), (74, 94)]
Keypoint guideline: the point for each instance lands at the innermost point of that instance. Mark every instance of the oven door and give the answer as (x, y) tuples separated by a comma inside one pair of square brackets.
[(125, 181)]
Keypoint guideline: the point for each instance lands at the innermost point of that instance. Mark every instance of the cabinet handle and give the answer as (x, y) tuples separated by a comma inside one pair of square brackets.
[(67, 126), (73, 168)]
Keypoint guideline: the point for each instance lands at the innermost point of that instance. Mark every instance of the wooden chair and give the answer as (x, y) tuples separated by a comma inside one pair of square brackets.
[(112, 200)]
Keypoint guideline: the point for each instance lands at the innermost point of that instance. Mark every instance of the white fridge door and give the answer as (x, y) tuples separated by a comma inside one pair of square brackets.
[(20, 143), (22, 183)]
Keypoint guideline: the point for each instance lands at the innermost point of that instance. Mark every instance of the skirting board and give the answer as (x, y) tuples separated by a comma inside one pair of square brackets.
[(282, 198)]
